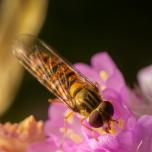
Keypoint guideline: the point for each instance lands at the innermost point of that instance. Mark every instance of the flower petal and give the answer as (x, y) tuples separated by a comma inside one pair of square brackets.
[(108, 71), (102, 61), (55, 121), (88, 72), (145, 81), (47, 146), (55, 126), (144, 133)]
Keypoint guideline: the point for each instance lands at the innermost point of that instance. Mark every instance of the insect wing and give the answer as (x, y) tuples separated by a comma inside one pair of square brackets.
[(47, 66)]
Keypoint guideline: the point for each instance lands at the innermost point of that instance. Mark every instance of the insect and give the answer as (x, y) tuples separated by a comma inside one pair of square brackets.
[(60, 78)]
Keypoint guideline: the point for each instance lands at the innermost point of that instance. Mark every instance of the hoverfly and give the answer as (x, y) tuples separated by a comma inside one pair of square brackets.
[(60, 78)]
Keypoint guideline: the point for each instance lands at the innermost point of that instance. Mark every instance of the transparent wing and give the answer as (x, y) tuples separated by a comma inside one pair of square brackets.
[(47, 66)]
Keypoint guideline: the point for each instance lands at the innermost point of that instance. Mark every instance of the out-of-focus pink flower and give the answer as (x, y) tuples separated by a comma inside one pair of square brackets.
[(142, 100), (145, 82), (18, 136), (129, 135)]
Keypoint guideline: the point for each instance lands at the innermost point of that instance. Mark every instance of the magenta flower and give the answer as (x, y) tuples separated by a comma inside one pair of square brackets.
[(128, 135)]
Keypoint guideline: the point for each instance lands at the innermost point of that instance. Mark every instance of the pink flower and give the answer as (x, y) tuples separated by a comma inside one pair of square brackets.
[(129, 135), (136, 136), (17, 137), (145, 82), (143, 96)]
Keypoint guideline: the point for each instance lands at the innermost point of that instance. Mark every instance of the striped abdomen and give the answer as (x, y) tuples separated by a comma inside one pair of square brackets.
[(86, 97)]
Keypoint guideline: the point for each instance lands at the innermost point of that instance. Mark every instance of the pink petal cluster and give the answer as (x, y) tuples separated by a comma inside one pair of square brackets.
[(18, 136), (131, 134)]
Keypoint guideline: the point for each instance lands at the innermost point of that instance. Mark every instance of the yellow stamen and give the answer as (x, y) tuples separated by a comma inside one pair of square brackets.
[(104, 75), (69, 116), (76, 137)]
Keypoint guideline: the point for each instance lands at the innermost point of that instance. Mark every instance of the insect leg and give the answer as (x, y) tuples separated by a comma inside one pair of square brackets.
[(115, 121), (66, 118), (108, 127)]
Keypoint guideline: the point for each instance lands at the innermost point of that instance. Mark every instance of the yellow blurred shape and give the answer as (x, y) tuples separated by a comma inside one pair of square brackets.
[(16, 17)]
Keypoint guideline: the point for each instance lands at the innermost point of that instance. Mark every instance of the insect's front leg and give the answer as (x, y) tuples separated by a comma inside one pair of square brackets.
[(108, 127)]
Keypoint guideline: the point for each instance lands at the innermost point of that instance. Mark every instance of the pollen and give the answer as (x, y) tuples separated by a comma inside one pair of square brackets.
[(104, 75), (76, 137)]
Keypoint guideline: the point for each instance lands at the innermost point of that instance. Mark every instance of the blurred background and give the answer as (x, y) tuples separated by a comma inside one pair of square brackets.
[(78, 29)]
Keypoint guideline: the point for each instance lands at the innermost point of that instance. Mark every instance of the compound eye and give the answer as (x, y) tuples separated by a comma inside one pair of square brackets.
[(107, 110), (95, 119)]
